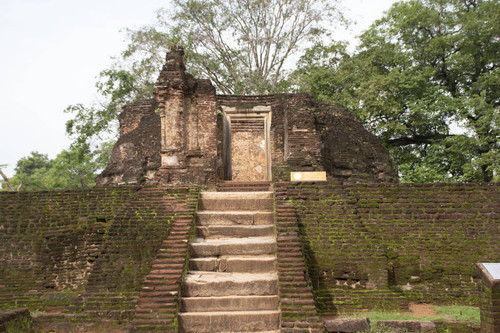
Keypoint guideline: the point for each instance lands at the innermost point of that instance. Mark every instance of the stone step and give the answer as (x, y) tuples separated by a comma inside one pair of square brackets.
[(232, 246), (207, 284), (262, 186), (241, 264), (242, 188), (243, 195), (236, 321), (229, 303), (230, 185), (226, 231), (205, 218), (224, 201)]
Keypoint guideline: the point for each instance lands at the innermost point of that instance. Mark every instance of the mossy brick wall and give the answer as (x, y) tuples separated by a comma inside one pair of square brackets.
[(15, 320), (380, 246), (82, 250), (489, 301), (490, 308)]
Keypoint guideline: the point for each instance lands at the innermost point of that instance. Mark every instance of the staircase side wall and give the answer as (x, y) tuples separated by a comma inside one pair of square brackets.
[(298, 309)]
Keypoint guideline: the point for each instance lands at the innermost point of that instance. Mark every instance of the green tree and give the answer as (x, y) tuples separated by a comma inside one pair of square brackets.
[(243, 46), (75, 168), (427, 64)]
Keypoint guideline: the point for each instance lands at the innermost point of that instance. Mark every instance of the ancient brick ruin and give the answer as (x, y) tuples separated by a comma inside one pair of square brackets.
[(188, 134), (151, 250)]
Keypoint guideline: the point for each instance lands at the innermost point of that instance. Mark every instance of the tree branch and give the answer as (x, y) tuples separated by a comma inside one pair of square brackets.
[(417, 139), (6, 181)]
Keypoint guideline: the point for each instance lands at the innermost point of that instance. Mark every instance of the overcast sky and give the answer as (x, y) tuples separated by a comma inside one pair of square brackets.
[(52, 50)]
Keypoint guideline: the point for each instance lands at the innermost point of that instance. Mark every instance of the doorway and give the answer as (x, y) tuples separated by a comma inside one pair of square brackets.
[(246, 143)]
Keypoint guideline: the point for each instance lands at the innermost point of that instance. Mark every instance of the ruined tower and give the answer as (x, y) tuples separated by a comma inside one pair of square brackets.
[(188, 134)]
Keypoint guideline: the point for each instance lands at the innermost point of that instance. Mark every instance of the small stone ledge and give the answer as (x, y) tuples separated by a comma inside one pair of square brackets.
[(408, 325), (18, 320), (347, 325)]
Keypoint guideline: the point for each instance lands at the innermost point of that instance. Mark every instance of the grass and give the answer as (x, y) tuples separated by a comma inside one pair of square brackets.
[(375, 316), (450, 312), (36, 312), (459, 312)]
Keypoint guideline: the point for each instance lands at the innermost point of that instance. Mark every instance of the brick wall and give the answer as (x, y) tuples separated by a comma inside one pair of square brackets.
[(298, 311), (177, 138), (89, 251), (187, 108), (310, 136), (133, 113), (381, 246), (135, 157), (489, 300)]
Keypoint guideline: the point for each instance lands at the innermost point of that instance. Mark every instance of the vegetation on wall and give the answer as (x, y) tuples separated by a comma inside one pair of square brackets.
[(378, 246)]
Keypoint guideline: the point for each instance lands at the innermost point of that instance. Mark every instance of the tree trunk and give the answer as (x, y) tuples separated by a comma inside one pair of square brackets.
[(6, 180)]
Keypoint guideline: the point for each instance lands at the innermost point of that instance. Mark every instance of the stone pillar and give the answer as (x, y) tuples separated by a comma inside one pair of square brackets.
[(170, 89), (187, 109), (489, 297)]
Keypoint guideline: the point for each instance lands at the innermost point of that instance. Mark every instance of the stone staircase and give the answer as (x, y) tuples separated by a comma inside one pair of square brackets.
[(232, 284), (232, 186)]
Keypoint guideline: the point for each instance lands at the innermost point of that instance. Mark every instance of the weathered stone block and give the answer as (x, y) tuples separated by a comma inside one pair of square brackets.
[(408, 325), (347, 325)]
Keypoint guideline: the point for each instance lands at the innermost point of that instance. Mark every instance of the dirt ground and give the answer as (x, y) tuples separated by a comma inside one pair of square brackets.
[(422, 310)]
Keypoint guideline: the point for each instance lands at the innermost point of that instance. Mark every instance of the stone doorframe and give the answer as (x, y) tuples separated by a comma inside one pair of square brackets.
[(259, 113)]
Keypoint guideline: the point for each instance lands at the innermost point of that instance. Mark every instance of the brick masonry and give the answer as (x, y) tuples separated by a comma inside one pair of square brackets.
[(158, 303), (179, 137), (380, 246), (298, 311), (114, 252), (489, 301), (89, 251)]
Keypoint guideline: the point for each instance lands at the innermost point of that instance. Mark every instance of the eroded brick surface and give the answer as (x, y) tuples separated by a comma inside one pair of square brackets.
[(185, 135), (74, 251), (381, 246)]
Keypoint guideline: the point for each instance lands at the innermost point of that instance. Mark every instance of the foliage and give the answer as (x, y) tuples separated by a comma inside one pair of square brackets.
[(75, 168), (450, 312), (469, 314), (427, 64), (243, 46)]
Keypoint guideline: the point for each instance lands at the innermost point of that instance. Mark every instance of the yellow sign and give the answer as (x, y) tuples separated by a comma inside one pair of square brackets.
[(308, 176)]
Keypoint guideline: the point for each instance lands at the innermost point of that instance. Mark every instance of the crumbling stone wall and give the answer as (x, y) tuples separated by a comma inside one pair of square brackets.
[(182, 137), (135, 158), (188, 125), (310, 136), (380, 246)]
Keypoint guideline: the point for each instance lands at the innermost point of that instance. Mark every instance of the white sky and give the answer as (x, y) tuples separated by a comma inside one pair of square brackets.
[(52, 50)]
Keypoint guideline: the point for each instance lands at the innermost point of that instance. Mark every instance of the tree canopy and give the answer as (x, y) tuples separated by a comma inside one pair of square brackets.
[(71, 170), (425, 79), (243, 46)]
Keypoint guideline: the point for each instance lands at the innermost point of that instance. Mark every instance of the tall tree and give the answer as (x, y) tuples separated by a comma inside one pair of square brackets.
[(243, 46), (425, 66)]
